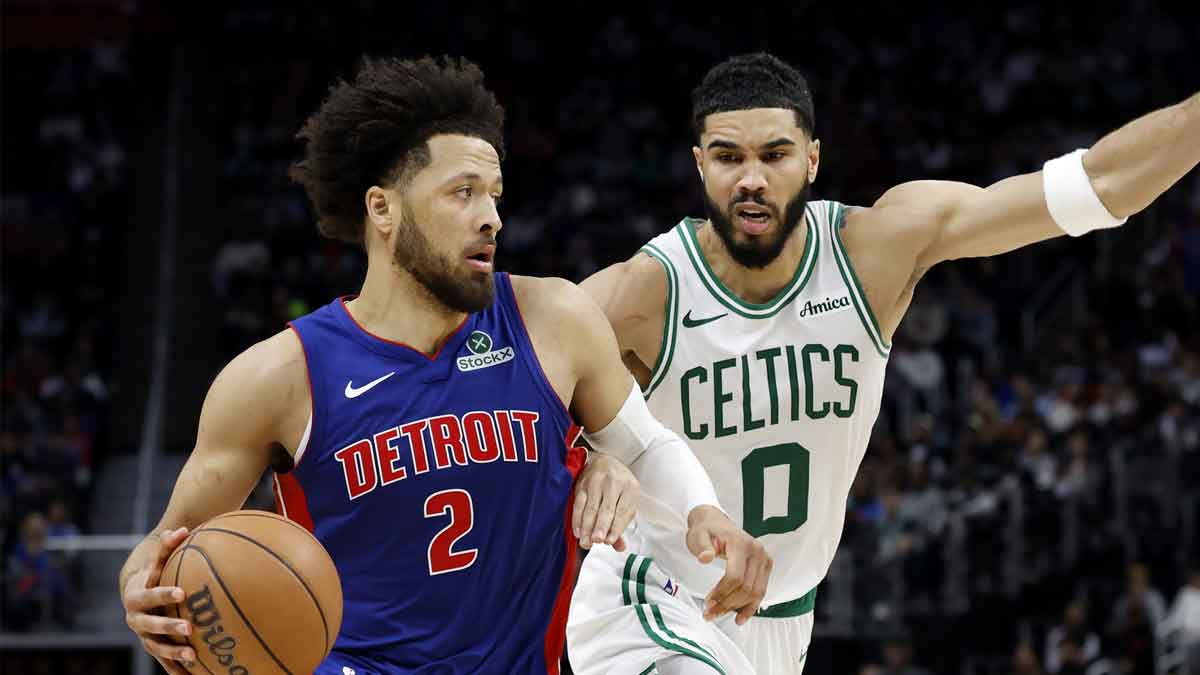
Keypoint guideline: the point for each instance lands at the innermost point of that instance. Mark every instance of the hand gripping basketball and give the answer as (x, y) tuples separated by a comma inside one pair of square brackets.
[(145, 602)]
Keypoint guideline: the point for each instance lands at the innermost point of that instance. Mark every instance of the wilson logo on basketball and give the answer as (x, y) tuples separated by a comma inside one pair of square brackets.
[(206, 617)]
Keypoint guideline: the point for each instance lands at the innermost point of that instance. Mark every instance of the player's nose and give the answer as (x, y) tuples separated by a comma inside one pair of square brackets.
[(491, 219), (753, 179)]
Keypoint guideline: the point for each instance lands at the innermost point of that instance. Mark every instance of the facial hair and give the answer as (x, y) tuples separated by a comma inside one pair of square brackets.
[(759, 251), (464, 291)]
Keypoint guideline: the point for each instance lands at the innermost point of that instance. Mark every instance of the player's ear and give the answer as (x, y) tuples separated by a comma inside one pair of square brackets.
[(381, 204), (699, 161), (814, 159)]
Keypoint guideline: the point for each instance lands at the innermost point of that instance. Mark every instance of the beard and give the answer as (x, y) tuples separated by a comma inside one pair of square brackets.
[(465, 291), (759, 251)]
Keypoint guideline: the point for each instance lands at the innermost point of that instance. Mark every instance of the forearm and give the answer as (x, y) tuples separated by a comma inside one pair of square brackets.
[(1130, 167), (670, 472), (664, 465)]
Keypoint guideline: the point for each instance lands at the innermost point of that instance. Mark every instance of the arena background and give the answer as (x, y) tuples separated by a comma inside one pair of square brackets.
[(1040, 439)]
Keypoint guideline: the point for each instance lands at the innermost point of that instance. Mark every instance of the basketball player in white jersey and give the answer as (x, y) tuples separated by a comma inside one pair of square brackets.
[(761, 336)]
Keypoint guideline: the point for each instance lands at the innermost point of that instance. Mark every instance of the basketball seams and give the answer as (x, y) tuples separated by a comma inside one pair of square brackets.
[(269, 516), (233, 601), (187, 546), (312, 596), (179, 566)]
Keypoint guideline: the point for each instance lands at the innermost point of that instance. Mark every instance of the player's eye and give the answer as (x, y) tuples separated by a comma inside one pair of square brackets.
[(726, 157), (465, 192), (775, 156)]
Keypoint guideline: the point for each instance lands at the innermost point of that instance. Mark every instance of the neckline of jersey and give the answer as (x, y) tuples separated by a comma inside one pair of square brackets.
[(717, 288), (393, 348)]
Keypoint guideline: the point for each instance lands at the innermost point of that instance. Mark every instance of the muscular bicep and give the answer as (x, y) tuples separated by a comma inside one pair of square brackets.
[(603, 382), (239, 424), (632, 297), (945, 220)]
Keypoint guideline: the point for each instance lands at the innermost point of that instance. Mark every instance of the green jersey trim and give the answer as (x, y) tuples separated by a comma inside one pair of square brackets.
[(687, 233), (666, 349), (836, 222)]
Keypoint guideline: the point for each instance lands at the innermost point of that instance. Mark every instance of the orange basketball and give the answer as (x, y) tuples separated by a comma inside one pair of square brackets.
[(262, 595)]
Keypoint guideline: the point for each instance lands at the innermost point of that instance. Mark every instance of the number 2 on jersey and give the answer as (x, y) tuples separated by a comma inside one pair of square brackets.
[(754, 474), (442, 557)]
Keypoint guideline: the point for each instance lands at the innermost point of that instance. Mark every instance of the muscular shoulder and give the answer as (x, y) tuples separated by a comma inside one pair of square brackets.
[(908, 217), (552, 304), (267, 387), (274, 365), (632, 295), (899, 225)]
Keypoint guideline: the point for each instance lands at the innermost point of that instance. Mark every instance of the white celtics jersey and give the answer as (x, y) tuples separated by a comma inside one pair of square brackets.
[(776, 399)]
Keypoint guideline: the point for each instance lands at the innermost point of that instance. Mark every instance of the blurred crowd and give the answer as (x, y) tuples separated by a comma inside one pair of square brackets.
[(1030, 490), (63, 213)]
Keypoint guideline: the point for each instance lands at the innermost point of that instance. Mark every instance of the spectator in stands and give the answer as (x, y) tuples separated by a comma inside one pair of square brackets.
[(1185, 615), (1140, 594), (1037, 462), (1025, 661), (36, 589), (1073, 627), (58, 521), (897, 658), (1071, 658), (1078, 477), (1134, 638), (59, 527)]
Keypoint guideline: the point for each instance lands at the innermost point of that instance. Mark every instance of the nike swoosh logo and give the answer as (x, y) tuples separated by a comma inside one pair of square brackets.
[(352, 392), (689, 322)]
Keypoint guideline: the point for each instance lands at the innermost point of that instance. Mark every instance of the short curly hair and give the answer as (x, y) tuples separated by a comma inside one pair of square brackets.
[(374, 131), (752, 81)]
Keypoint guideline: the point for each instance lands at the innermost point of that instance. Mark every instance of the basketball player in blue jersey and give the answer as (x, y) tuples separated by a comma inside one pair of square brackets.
[(761, 334), (429, 421)]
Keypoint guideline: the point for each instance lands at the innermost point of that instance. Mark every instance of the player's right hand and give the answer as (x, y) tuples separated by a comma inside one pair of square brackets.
[(711, 534), (606, 500), (144, 601)]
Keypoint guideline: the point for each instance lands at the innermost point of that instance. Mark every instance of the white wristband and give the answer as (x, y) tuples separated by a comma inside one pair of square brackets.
[(1071, 199)]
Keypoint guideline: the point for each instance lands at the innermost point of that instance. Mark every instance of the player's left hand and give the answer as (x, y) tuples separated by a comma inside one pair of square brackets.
[(711, 535), (606, 499)]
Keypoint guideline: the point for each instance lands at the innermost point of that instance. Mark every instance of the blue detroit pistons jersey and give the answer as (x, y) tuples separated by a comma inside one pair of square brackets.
[(441, 488)]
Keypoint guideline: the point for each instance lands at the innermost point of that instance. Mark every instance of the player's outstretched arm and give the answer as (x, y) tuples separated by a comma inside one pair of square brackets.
[(239, 422), (1117, 177)]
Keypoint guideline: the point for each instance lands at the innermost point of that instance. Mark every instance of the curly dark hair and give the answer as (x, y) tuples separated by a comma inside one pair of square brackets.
[(752, 81), (374, 131)]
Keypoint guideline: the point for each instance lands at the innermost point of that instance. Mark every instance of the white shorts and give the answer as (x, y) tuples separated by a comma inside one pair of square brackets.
[(627, 614)]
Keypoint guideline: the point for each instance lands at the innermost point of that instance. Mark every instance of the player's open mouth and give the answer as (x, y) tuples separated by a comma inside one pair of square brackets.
[(480, 258), (752, 219)]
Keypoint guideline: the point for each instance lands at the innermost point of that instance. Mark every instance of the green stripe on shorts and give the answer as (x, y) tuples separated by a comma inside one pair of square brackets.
[(675, 643), (641, 612), (625, 578)]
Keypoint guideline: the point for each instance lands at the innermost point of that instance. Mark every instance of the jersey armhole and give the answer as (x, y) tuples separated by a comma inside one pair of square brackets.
[(311, 428), (666, 349), (837, 220), (299, 454)]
